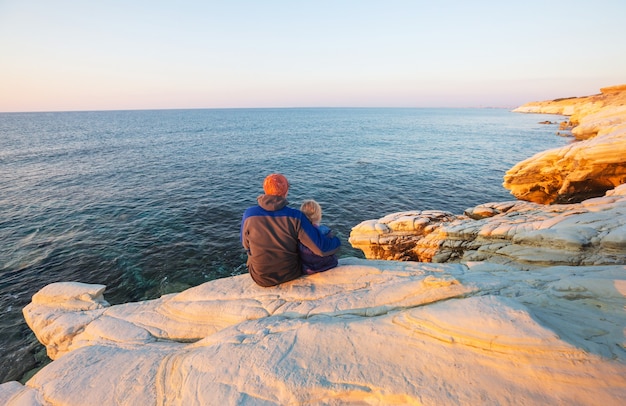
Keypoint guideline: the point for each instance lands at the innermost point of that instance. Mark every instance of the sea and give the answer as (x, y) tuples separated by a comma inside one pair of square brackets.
[(150, 202)]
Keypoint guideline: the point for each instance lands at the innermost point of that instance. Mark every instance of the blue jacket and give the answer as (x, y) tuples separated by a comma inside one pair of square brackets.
[(270, 233), (312, 263)]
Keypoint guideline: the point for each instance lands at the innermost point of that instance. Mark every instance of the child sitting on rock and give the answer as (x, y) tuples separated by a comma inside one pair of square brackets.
[(312, 263)]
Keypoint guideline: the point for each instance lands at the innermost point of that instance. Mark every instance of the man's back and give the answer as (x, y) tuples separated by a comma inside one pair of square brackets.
[(269, 234)]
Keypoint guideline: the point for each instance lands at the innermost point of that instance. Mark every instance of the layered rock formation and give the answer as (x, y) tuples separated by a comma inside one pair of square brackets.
[(589, 233), (589, 230), (367, 332), (583, 169)]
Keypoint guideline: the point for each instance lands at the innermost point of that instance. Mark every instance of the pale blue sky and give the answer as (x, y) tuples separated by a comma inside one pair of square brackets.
[(102, 55)]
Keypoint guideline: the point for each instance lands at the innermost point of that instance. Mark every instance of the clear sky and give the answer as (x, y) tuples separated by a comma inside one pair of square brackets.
[(153, 54)]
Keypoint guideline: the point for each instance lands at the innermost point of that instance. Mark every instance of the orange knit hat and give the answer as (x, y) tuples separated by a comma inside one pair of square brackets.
[(276, 184)]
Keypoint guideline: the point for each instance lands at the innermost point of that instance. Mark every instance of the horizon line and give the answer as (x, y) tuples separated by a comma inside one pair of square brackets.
[(253, 108)]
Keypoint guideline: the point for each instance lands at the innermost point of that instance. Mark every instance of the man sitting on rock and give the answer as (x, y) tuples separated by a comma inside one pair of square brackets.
[(270, 233)]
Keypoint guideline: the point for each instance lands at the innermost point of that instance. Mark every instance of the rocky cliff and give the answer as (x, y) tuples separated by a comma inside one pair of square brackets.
[(586, 168), (589, 173)]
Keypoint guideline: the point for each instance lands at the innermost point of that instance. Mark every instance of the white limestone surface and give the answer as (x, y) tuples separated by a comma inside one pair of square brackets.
[(592, 232), (366, 332)]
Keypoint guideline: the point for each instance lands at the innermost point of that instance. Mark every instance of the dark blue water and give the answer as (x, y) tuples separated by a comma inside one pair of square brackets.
[(150, 202)]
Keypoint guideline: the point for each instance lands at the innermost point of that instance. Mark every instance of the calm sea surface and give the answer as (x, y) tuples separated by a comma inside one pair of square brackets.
[(150, 202)]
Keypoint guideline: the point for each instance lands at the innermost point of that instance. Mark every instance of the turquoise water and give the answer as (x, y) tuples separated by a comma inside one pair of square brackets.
[(149, 202)]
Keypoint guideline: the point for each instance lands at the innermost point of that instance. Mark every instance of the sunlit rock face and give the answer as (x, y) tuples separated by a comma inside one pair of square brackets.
[(583, 169), (400, 236), (366, 332), (589, 233), (576, 107)]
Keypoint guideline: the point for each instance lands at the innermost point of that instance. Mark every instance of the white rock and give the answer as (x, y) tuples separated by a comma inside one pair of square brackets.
[(366, 332), (587, 233)]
